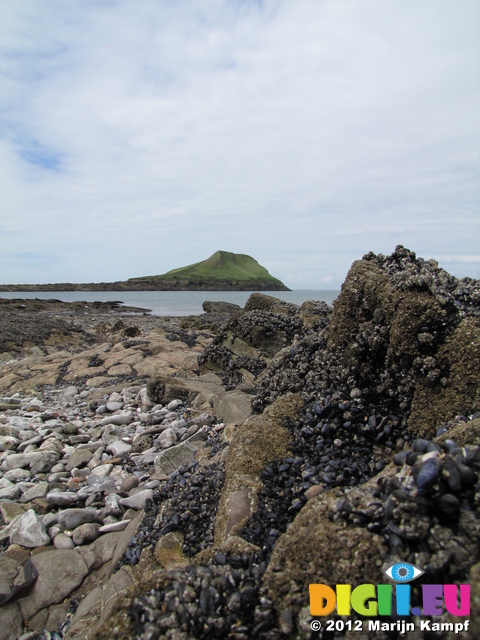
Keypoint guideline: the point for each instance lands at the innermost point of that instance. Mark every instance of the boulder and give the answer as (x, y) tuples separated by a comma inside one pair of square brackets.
[(263, 302), (222, 308)]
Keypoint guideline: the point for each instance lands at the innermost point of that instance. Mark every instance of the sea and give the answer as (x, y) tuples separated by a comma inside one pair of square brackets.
[(173, 303)]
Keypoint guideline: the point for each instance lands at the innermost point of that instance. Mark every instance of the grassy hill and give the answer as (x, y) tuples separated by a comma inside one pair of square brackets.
[(224, 271)]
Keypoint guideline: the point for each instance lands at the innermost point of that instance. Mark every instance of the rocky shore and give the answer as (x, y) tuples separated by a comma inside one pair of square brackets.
[(189, 478)]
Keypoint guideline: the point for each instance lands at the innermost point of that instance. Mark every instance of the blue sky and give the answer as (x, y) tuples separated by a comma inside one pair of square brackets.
[(137, 137)]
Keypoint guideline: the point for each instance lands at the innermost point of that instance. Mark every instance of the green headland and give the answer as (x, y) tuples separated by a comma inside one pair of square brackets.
[(223, 271)]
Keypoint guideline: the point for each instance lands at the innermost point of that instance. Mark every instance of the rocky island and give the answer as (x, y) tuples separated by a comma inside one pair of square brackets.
[(190, 478), (223, 271)]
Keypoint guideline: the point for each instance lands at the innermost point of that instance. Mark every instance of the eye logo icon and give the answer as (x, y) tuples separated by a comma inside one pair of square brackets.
[(403, 572)]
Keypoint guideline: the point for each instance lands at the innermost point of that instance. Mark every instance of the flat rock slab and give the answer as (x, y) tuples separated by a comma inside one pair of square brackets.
[(59, 573), (169, 460), (12, 623)]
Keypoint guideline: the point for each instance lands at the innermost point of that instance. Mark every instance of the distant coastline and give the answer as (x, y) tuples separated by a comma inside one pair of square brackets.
[(146, 285)]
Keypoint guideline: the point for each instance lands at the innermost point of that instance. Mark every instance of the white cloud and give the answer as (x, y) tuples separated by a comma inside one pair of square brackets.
[(143, 136)]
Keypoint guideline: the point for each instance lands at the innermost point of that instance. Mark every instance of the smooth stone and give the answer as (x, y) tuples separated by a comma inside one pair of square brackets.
[(9, 442), (62, 498), (49, 519), (314, 490), (60, 572), (103, 470), (55, 530), (170, 415), (79, 458), (9, 430), (120, 419), (114, 406), (28, 531), (174, 404), (69, 393), (60, 476), (114, 526), (178, 424), (239, 507), (192, 430), (119, 448), (129, 483), (147, 457), (54, 424), (79, 473), (86, 533), (73, 518), (79, 439), (167, 438), (137, 501), (152, 484), (18, 474), (62, 541)]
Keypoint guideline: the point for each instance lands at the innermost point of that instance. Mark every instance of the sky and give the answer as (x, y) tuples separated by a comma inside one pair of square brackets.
[(141, 136)]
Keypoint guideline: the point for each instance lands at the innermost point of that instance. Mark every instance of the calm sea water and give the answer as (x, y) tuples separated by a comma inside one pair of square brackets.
[(173, 303)]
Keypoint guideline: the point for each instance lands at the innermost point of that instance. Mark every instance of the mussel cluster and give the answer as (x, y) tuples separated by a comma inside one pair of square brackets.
[(443, 472), (435, 491), (217, 600), (187, 503)]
